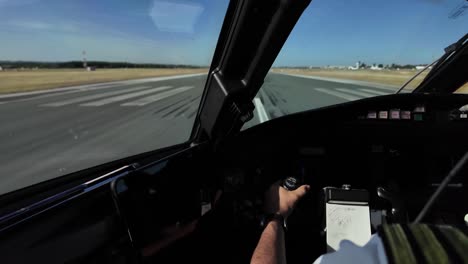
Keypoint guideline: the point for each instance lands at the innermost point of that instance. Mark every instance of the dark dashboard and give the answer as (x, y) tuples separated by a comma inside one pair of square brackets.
[(342, 144), (405, 144), (211, 195), (348, 144)]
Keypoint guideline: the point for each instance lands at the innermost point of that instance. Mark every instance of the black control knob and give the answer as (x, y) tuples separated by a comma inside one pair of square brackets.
[(291, 183)]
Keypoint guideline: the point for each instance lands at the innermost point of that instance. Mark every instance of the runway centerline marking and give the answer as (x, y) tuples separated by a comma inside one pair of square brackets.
[(262, 114)]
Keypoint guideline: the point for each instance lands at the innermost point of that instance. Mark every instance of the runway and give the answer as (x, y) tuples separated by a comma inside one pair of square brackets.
[(53, 133)]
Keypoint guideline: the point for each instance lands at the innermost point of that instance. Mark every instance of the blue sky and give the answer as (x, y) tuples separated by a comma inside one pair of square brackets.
[(331, 32)]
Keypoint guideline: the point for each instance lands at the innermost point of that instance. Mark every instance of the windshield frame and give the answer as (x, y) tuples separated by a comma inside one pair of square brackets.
[(247, 48)]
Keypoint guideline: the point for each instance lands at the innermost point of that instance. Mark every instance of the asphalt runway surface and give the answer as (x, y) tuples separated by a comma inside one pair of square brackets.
[(49, 134)]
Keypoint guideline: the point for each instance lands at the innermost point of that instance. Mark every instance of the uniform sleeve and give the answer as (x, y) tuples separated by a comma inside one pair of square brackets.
[(348, 252)]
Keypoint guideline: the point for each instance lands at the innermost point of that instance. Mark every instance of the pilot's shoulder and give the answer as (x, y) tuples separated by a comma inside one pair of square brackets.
[(348, 252), (405, 243)]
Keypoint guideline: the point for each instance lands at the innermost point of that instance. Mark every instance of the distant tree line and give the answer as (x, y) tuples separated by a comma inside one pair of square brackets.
[(406, 66), (362, 65), (79, 64), (390, 66)]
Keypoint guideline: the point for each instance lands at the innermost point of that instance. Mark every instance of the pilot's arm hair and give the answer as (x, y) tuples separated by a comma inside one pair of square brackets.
[(270, 247)]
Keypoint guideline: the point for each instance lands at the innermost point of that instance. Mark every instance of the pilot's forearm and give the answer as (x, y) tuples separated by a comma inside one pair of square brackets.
[(270, 248)]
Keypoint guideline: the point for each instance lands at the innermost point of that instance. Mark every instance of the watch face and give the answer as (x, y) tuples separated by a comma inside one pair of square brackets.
[(262, 221)]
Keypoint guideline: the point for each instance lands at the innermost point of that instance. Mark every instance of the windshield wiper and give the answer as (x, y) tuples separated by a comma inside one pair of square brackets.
[(449, 52)]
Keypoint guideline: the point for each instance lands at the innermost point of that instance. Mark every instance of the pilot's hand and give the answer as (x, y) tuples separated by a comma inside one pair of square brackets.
[(279, 200)]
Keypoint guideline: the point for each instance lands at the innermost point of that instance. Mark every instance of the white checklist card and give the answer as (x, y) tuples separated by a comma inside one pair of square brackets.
[(344, 221)]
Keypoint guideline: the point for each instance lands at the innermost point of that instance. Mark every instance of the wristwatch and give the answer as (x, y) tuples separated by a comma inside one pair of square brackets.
[(265, 219)]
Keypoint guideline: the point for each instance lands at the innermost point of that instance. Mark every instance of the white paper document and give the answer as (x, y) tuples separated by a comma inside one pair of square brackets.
[(351, 222)]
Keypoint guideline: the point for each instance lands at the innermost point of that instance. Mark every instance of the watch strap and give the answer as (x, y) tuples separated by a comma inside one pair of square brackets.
[(273, 217)]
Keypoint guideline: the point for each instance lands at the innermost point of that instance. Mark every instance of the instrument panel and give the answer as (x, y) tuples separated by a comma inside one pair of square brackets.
[(405, 144)]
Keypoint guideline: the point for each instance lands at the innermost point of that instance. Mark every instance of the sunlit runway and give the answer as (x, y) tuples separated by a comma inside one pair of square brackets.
[(46, 135)]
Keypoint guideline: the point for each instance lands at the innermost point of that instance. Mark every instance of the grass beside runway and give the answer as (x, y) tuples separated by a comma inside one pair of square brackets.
[(463, 89), (388, 77), (33, 80)]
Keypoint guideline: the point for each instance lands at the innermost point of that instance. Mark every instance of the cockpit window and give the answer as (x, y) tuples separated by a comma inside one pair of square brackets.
[(342, 51), (463, 89), (87, 82)]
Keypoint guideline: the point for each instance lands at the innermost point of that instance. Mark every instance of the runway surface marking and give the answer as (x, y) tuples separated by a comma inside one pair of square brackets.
[(341, 95), (262, 114), (158, 97), (94, 96), (126, 96)]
